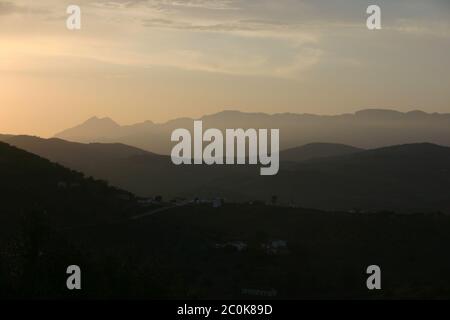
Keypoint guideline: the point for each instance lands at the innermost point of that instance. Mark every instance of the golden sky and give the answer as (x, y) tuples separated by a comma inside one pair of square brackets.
[(136, 60)]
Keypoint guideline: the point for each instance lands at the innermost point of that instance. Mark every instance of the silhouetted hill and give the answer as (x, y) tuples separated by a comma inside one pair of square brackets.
[(370, 128), (29, 183), (407, 178), (4, 137), (73, 153), (326, 252), (66, 152), (124, 166), (317, 150)]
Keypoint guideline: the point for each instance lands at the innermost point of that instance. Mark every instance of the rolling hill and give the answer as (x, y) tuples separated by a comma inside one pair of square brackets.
[(325, 252), (29, 183), (317, 150), (410, 177), (404, 178)]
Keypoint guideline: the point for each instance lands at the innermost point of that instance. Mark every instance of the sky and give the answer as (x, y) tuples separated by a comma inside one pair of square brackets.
[(137, 60)]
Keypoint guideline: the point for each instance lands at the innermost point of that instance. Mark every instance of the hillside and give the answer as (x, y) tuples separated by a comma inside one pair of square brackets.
[(52, 217), (317, 150), (29, 183), (65, 150), (404, 178), (326, 253)]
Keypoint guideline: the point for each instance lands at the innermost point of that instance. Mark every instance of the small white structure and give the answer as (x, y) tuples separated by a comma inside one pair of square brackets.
[(238, 245)]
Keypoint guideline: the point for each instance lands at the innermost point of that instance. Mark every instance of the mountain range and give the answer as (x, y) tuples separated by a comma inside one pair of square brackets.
[(370, 128)]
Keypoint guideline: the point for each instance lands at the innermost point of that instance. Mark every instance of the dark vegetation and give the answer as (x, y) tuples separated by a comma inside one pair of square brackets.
[(46, 225), (30, 183)]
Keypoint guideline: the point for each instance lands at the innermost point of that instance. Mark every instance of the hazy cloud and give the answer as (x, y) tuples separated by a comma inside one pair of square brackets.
[(440, 29), (280, 38), (8, 8)]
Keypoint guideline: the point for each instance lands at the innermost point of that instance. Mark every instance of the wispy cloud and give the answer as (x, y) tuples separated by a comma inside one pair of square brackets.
[(8, 8), (283, 38), (440, 29), (204, 4)]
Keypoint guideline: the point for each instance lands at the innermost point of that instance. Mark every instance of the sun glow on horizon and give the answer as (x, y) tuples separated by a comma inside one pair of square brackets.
[(158, 60)]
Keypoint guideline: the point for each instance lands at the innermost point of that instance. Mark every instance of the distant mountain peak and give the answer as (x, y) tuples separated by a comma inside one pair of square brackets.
[(97, 120), (94, 126)]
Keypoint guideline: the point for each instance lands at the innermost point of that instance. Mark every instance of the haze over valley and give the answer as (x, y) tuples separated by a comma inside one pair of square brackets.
[(370, 128)]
